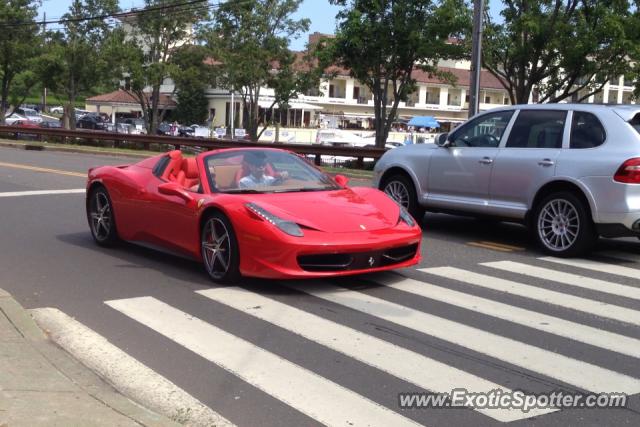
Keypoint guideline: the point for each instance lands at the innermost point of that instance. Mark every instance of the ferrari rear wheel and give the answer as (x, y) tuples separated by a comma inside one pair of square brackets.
[(219, 248), (101, 219)]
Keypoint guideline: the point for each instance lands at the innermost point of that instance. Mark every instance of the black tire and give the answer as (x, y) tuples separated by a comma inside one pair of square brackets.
[(101, 217), (400, 188), (563, 226), (221, 259)]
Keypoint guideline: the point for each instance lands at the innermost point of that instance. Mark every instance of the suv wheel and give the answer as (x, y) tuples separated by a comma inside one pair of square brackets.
[(400, 188), (563, 226)]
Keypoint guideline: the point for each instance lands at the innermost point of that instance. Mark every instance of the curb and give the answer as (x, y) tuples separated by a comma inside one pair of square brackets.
[(75, 372)]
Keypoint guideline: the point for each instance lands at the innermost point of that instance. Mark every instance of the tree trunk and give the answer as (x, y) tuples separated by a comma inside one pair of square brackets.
[(69, 116)]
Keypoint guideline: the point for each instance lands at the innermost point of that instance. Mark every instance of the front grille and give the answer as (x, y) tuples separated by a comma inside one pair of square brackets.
[(357, 260)]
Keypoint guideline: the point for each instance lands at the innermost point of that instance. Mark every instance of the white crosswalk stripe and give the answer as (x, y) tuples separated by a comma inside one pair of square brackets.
[(554, 325), (581, 374), (598, 308), (332, 404), (407, 365), (618, 270), (311, 394), (567, 278)]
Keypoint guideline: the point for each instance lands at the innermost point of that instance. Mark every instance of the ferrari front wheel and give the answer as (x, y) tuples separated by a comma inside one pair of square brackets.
[(219, 248), (101, 219)]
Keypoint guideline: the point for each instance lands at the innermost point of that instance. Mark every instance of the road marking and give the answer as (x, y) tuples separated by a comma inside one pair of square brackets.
[(567, 278), (38, 169), (597, 308), (125, 373), (488, 246), (42, 192), (412, 367), (325, 401), (503, 245), (580, 374), (602, 267), (554, 325)]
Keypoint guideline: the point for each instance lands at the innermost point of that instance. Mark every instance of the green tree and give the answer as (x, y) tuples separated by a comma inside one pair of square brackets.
[(191, 76), (249, 40), (20, 42), (74, 62), (560, 48), (151, 35), (382, 42)]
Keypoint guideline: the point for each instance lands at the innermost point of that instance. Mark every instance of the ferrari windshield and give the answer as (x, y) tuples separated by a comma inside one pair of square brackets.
[(264, 171)]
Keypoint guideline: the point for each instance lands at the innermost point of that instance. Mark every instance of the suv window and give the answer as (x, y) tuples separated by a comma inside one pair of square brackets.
[(537, 129), (586, 130), (485, 131)]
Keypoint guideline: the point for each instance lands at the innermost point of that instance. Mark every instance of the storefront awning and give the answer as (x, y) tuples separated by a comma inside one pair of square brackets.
[(293, 105)]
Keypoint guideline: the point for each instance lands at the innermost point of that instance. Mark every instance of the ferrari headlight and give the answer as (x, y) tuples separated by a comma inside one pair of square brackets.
[(406, 216), (288, 227)]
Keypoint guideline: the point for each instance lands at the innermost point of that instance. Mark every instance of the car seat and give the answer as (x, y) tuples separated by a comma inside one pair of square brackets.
[(173, 167), (190, 172)]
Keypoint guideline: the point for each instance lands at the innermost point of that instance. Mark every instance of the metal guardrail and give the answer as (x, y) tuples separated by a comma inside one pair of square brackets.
[(359, 153)]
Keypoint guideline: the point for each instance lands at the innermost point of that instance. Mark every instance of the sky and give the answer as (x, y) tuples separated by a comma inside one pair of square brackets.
[(321, 13)]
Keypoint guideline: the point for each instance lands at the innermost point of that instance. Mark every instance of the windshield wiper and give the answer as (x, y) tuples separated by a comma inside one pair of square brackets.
[(243, 191), (302, 190)]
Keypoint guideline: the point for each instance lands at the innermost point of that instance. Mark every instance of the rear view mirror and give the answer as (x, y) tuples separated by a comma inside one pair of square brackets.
[(341, 180), (442, 141)]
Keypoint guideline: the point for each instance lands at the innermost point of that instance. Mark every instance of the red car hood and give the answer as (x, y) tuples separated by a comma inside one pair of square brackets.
[(339, 211)]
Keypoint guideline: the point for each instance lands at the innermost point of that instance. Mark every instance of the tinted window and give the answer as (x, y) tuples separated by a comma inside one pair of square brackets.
[(537, 129), (586, 130), (484, 131), (635, 122)]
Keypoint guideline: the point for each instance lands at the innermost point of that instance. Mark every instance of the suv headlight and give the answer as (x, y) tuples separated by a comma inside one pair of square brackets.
[(287, 227)]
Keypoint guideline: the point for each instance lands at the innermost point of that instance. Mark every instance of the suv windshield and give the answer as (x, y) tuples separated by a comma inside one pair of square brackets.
[(264, 171)]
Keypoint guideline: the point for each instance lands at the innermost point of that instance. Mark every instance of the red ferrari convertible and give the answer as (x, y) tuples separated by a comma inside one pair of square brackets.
[(251, 211)]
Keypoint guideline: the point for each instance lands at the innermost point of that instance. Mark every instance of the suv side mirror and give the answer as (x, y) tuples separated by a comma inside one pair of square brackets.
[(442, 141)]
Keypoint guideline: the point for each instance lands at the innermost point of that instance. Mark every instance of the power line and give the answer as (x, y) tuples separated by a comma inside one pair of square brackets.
[(111, 15)]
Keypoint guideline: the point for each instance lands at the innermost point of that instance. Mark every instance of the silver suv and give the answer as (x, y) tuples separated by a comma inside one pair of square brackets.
[(569, 171)]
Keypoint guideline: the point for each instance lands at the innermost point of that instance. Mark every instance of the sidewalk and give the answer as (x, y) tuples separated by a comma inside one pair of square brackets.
[(41, 385)]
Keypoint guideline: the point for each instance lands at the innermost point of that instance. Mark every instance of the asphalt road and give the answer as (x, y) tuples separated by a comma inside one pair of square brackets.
[(558, 327)]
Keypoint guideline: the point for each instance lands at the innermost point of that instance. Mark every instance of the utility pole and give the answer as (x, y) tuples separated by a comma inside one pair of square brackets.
[(233, 111), (44, 39), (476, 57)]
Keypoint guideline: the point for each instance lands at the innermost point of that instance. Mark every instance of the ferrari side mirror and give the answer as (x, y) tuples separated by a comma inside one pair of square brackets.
[(341, 180), (173, 189)]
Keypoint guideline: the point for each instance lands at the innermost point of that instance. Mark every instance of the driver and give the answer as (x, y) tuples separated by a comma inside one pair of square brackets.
[(256, 162)]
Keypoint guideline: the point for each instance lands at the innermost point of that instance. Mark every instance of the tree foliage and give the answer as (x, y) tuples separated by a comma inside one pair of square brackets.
[(563, 48), (249, 40), (74, 62), (145, 50), (191, 76), (20, 43), (382, 42)]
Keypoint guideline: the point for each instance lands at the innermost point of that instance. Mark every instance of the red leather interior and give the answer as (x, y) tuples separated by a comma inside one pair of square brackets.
[(182, 171)]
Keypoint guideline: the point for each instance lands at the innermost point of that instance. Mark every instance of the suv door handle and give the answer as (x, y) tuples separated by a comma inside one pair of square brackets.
[(546, 162), (486, 160)]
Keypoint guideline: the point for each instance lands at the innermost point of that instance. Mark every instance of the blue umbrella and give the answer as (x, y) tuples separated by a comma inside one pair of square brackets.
[(424, 122)]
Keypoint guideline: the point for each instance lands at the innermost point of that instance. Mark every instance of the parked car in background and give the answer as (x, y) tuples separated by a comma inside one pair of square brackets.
[(51, 124), (570, 172), (93, 122), (137, 125), (164, 129), (29, 113), (10, 120), (56, 110)]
